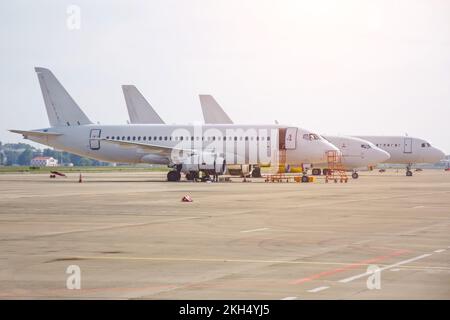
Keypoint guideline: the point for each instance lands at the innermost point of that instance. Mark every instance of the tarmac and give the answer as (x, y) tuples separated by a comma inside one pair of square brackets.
[(382, 236)]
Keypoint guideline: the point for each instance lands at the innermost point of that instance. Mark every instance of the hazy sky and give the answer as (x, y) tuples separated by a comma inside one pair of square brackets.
[(336, 67)]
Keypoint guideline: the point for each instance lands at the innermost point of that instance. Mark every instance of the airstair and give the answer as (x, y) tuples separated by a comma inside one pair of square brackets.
[(336, 171)]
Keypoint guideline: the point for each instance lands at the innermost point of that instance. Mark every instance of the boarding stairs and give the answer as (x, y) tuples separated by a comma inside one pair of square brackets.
[(336, 171)]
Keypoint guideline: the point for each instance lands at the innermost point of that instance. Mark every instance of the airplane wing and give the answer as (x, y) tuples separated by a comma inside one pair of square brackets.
[(27, 133), (151, 148)]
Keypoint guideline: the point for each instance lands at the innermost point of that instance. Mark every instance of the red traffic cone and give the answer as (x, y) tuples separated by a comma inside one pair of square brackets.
[(187, 198)]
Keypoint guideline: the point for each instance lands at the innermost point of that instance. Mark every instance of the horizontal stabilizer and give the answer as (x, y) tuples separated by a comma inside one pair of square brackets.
[(27, 133)]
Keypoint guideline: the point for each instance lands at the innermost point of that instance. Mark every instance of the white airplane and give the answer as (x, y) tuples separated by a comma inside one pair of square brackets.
[(406, 150), (185, 148), (140, 111), (356, 153)]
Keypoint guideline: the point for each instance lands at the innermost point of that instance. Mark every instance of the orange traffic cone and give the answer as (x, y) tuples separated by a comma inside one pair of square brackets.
[(187, 198)]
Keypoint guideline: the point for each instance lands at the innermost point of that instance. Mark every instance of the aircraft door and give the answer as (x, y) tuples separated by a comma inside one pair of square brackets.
[(94, 142), (407, 147), (282, 138), (291, 138)]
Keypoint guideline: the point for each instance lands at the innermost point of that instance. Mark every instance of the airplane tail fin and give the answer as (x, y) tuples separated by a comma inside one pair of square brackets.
[(212, 111), (139, 110), (62, 110)]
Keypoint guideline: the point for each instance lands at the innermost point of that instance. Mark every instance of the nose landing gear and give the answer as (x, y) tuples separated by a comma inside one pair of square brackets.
[(408, 171), (355, 175)]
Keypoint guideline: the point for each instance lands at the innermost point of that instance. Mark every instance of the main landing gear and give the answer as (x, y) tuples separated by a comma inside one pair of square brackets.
[(192, 176), (174, 175), (256, 172)]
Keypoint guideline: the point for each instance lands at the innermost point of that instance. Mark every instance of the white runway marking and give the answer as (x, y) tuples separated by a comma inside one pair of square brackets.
[(439, 251), (254, 230), (396, 269), (385, 268), (290, 298), (418, 207), (318, 289)]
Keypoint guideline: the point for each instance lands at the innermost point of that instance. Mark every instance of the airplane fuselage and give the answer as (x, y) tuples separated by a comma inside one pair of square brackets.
[(356, 153), (240, 144), (406, 150)]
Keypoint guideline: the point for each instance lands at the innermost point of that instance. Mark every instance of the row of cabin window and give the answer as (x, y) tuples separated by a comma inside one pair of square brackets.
[(424, 145), (181, 138), (388, 145)]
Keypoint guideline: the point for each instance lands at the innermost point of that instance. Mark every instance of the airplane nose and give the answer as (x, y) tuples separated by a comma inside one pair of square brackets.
[(439, 154), (328, 146), (382, 155)]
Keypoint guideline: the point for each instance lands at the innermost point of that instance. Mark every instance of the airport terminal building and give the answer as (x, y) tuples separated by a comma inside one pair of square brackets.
[(43, 162)]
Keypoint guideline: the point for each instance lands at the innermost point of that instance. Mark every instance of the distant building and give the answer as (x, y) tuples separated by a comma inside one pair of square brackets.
[(3, 158), (44, 162)]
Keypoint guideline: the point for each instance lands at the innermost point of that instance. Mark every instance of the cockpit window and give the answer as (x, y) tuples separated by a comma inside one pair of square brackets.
[(311, 136), (426, 145), (366, 146)]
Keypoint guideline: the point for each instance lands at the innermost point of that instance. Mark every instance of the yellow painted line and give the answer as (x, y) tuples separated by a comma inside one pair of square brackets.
[(201, 260), (110, 227), (233, 260), (254, 230)]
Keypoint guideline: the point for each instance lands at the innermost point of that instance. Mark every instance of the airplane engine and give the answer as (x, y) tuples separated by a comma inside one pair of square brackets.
[(218, 166), (209, 164)]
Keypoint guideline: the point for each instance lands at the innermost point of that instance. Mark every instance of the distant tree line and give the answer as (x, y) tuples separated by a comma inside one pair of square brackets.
[(22, 153)]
